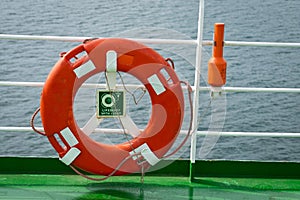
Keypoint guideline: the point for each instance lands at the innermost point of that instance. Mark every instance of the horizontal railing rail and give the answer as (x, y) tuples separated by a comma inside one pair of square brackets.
[(81, 39), (199, 133), (150, 41), (225, 89)]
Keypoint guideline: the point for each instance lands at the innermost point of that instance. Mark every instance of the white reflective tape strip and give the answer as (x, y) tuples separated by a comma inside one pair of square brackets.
[(69, 137), (70, 156), (156, 84), (84, 69), (131, 127), (149, 156), (111, 69), (146, 152)]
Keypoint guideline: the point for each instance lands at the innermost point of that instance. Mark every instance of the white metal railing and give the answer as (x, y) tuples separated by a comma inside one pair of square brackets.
[(198, 133), (200, 88), (199, 42), (226, 89), (150, 41)]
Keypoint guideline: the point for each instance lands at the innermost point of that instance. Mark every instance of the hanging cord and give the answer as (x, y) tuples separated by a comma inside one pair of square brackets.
[(109, 175), (171, 61), (88, 40), (190, 91), (136, 100), (140, 160), (32, 122), (142, 172), (120, 121)]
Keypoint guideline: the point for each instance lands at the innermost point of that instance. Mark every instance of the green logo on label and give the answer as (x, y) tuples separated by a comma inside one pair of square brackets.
[(110, 103)]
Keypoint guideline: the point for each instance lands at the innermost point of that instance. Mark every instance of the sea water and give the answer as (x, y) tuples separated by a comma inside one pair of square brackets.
[(270, 21)]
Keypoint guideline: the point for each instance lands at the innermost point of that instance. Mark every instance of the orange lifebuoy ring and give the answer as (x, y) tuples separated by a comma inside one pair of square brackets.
[(65, 79)]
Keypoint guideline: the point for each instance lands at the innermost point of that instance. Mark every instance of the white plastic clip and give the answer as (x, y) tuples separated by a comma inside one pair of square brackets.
[(111, 69), (147, 154), (215, 91)]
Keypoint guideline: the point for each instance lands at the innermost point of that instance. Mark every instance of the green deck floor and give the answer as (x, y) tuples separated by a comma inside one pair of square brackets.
[(129, 187), (48, 178)]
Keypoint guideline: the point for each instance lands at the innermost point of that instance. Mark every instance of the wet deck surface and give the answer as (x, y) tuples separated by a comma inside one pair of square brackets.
[(129, 187)]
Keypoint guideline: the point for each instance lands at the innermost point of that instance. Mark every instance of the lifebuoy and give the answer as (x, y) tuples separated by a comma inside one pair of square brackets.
[(134, 58)]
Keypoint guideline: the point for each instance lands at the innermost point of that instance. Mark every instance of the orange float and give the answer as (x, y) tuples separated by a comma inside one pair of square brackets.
[(217, 64), (77, 149)]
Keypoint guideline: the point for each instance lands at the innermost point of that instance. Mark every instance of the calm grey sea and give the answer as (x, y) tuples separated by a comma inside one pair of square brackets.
[(256, 20)]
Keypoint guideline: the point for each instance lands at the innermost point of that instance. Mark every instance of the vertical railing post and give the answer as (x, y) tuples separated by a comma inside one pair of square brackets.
[(196, 86)]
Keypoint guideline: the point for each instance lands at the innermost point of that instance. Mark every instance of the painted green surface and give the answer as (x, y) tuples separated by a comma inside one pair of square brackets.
[(130, 187), (204, 168), (48, 178)]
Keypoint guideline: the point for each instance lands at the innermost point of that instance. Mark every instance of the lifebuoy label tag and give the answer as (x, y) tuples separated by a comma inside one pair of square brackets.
[(110, 103)]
